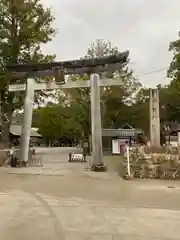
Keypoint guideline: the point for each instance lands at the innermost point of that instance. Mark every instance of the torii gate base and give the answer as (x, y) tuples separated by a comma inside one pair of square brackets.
[(94, 84)]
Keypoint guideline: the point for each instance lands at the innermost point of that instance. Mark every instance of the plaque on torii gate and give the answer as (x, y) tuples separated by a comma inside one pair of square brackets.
[(59, 70)]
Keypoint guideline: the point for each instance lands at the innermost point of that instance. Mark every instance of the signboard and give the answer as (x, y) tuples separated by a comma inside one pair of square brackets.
[(17, 87), (86, 144), (117, 145)]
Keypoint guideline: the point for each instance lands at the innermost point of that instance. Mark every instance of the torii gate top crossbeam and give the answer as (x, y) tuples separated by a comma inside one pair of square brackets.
[(94, 65), (80, 63), (67, 71)]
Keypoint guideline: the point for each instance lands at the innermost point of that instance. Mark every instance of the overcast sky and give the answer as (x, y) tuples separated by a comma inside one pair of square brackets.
[(144, 27)]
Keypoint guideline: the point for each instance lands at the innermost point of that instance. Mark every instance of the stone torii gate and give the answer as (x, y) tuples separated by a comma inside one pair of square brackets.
[(58, 70)]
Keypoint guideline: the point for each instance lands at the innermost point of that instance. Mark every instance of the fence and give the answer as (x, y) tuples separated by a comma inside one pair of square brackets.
[(77, 157)]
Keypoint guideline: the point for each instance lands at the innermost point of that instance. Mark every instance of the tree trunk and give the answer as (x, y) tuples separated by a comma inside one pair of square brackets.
[(6, 117)]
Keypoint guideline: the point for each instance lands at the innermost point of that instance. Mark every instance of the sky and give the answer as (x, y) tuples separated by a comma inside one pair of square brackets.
[(144, 27)]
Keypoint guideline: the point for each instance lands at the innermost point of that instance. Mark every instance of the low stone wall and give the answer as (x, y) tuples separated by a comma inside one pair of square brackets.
[(4, 155), (164, 165)]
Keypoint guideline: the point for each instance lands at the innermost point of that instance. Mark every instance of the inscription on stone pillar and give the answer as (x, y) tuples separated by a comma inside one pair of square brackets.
[(154, 118)]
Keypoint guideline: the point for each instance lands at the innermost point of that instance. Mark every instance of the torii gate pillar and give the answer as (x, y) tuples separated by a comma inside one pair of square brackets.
[(27, 121), (96, 131)]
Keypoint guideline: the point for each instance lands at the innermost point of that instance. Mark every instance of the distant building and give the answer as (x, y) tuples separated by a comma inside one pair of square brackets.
[(15, 130), (113, 140), (172, 131)]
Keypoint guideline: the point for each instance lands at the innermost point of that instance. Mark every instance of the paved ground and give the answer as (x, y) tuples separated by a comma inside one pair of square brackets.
[(64, 201)]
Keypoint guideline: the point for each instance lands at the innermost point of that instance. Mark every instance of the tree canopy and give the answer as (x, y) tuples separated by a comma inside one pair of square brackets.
[(112, 98), (56, 121), (127, 104), (24, 26), (116, 102)]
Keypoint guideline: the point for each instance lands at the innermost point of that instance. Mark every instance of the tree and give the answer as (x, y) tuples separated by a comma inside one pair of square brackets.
[(115, 100), (56, 121), (174, 68), (112, 98), (50, 122), (172, 91), (139, 111), (79, 105), (24, 25)]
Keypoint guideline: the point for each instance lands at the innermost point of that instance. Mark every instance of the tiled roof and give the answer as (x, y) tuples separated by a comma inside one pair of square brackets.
[(16, 131), (175, 127), (120, 132)]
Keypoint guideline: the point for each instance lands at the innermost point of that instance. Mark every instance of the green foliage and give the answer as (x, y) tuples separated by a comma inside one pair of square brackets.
[(24, 26), (140, 116), (171, 93), (101, 48), (112, 98), (50, 122), (174, 68), (55, 121), (80, 119), (119, 105)]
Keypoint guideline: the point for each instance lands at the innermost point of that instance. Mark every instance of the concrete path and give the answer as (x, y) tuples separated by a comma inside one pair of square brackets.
[(63, 201), (26, 216)]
